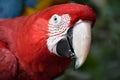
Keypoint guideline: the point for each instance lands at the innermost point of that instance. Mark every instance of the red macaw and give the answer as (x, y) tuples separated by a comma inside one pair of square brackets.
[(41, 46)]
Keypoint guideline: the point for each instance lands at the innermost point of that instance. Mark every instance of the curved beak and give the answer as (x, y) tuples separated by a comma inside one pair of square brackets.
[(81, 41)]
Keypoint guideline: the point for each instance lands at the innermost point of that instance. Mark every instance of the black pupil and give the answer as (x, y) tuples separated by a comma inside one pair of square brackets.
[(55, 18)]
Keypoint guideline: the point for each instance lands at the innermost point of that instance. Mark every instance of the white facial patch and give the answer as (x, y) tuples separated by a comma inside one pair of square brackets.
[(58, 26)]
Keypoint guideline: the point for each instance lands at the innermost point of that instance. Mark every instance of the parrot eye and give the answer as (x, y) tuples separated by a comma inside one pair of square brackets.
[(55, 19)]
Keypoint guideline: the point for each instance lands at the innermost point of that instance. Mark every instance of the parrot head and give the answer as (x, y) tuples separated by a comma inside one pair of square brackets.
[(69, 30), (63, 31)]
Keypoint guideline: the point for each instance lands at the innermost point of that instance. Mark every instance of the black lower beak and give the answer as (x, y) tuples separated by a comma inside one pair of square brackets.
[(64, 47)]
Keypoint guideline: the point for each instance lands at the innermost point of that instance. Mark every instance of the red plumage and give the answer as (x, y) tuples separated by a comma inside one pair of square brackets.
[(23, 51)]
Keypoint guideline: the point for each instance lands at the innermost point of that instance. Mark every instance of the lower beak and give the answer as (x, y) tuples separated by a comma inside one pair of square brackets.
[(81, 41)]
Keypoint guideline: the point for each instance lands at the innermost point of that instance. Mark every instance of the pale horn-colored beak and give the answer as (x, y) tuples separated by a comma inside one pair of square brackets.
[(81, 41)]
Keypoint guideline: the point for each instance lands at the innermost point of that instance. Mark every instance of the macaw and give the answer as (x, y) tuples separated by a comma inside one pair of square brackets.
[(10, 8), (41, 46)]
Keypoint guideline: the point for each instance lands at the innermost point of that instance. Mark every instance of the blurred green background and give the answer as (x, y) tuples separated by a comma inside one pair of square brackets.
[(103, 62)]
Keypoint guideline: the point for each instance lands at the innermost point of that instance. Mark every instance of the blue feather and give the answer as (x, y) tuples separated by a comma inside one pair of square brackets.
[(10, 8), (31, 3)]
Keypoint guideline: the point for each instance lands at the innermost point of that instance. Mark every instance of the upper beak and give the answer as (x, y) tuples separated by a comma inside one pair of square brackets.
[(81, 41), (77, 43)]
